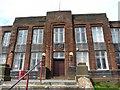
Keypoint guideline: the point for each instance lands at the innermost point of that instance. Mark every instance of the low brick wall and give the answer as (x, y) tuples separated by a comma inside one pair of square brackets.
[(104, 74)]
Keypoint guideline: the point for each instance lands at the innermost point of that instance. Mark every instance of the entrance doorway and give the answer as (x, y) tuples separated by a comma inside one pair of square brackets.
[(58, 67)]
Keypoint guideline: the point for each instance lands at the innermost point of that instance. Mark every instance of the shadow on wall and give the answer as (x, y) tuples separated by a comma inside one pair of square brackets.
[(48, 73)]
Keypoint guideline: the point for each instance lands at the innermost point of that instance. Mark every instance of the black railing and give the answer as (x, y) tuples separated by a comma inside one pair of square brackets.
[(24, 76)]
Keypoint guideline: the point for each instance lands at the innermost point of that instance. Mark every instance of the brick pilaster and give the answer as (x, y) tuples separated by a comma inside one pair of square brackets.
[(92, 61), (110, 47), (13, 40), (28, 49)]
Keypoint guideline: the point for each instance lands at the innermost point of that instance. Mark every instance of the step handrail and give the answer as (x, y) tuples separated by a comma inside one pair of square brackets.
[(24, 75)]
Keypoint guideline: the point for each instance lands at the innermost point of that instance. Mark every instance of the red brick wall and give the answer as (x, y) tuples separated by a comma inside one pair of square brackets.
[(68, 21)]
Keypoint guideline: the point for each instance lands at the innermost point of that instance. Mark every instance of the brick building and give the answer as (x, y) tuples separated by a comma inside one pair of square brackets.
[(65, 40)]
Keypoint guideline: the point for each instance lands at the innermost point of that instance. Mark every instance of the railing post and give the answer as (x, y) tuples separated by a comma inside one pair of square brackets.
[(42, 64), (27, 81), (41, 71)]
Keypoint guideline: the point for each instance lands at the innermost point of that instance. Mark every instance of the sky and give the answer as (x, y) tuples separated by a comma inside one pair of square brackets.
[(9, 9)]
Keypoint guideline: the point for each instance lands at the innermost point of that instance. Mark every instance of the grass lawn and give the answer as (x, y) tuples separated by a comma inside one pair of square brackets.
[(107, 87)]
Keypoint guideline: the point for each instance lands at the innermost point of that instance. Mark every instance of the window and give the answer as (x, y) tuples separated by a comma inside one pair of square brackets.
[(22, 37), (97, 33), (3, 58), (59, 55), (82, 57), (59, 35), (38, 36), (18, 63), (6, 39), (118, 59), (80, 34), (35, 58), (115, 35), (101, 60)]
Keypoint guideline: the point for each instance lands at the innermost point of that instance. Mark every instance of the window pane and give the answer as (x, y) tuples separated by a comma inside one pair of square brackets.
[(18, 63), (77, 37), (59, 55), (62, 54), (55, 55), (83, 37), (118, 58), (21, 60), (22, 37), (58, 35), (3, 58), (103, 63), (98, 63), (6, 39), (118, 61), (41, 36), (80, 35), (115, 35), (103, 53), (101, 60), (35, 34), (38, 36), (35, 58), (61, 37), (25, 36), (97, 54), (97, 33), (82, 57), (61, 30)]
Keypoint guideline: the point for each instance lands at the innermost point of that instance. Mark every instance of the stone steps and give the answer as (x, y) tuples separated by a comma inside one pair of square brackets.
[(44, 85)]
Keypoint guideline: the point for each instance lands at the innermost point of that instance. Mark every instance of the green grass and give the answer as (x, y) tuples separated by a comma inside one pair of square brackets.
[(106, 87)]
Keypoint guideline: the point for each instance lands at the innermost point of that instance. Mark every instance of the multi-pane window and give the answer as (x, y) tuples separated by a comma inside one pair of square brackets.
[(38, 36), (97, 33), (22, 37), (3, 58), (115, 35), (59, 34), (80, 34), (82, 57), (6, 39), (101, 60), (59, 55), (35, 59), (118, 59), (18, 63)]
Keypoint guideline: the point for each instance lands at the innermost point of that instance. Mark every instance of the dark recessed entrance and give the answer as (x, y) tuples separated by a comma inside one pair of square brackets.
[(58, 67)]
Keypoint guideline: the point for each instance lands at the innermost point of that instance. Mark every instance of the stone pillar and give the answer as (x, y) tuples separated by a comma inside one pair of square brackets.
[(81, 70), (5, 72), (71, 69), (71, 72)]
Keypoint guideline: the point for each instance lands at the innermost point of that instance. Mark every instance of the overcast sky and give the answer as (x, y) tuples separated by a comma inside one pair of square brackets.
[(9, 9)]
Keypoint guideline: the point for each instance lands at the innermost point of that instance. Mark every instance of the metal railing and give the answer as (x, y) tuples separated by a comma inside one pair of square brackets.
[(24, 75)]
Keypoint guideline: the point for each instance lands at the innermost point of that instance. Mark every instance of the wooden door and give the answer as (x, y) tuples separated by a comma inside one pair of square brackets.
[(58, 69)]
